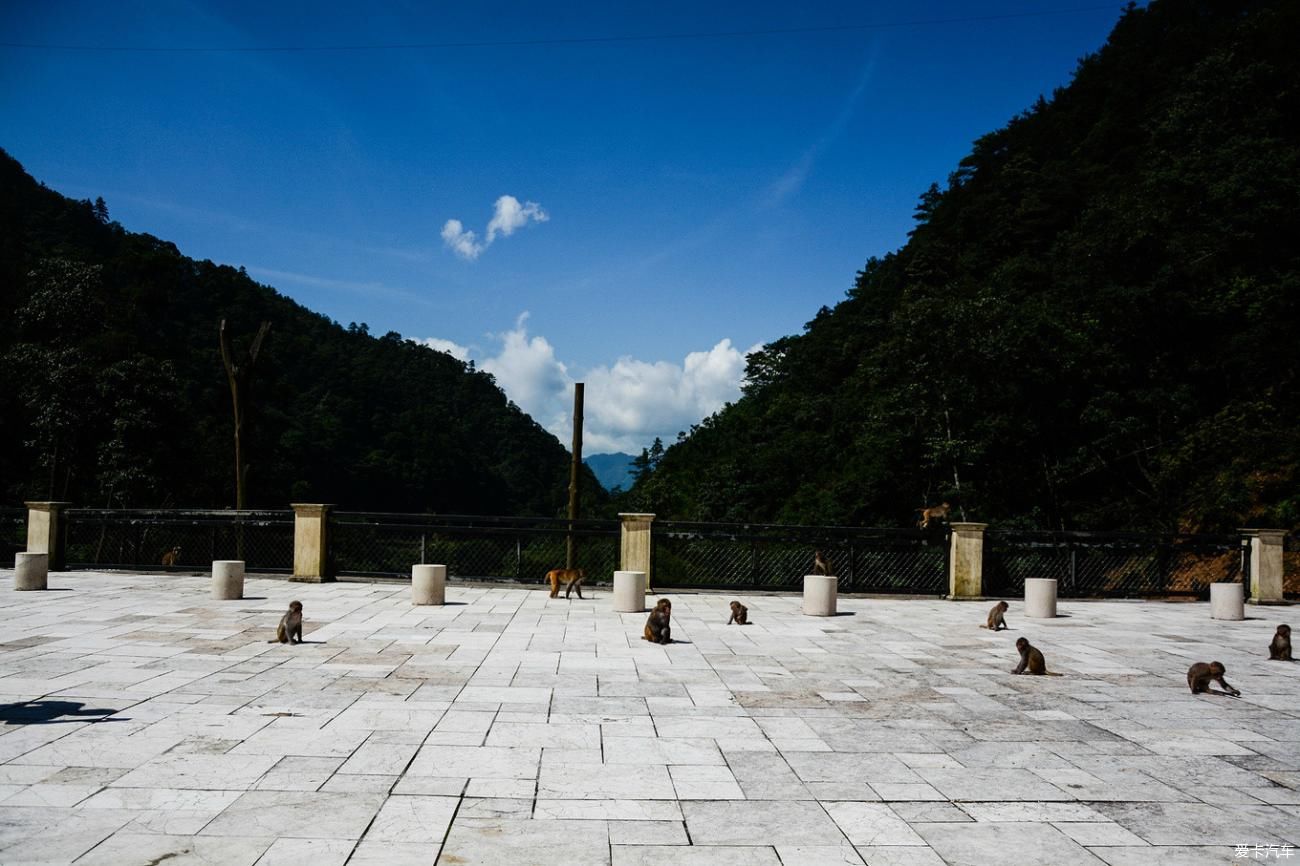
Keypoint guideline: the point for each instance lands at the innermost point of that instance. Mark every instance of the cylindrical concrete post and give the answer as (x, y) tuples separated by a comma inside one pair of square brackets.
[(31, 570), (629, 591), (228, 579), (1040, 597), (428, 584), (819, 594), (1227, 601)]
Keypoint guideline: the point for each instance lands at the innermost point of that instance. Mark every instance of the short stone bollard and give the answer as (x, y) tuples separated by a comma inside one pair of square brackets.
[(629, 591), (1040, 597), (819, 594), (228, 579), (1227, 601), (428, 584), (31, 570)]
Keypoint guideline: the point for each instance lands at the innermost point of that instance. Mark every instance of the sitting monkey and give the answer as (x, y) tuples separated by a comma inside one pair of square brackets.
[(739, 614), (1032, 659), (172, 557), (997, 621), (658, 625), (820, 564), (1201, 674), (1280, 648), (290, 626)]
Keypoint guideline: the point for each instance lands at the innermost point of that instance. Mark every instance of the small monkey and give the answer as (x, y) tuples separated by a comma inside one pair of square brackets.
[(820, 564), (172, 557), (934, 512), (290, 625), (1280, 648), (1200, 675), (1032, 659), (997, 620), (572, 578), (658, 625), (739, 614)]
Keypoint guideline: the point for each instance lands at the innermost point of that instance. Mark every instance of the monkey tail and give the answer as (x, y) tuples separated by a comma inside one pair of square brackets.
[(1052, 674)]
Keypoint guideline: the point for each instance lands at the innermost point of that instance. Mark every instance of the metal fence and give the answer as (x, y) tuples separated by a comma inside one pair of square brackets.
[(13, 533), (1291, 565), (775, 557), (1112, 564), (481, 548), (138, 539)]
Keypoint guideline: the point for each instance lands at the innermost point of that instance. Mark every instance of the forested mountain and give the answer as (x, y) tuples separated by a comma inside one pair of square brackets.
[(113, 392), (1094, 323)]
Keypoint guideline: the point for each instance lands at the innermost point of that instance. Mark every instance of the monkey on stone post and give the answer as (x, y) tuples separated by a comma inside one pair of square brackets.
[(1280, 648), (1200, 675), (821, 565), (658, 626), (739, 614), (934, 512), (997, 621), (1032, 659), (172, 557), (290, 626)]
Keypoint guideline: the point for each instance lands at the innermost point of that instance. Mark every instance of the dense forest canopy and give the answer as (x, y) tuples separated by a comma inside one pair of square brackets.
[(113, 392), (1093, 324)]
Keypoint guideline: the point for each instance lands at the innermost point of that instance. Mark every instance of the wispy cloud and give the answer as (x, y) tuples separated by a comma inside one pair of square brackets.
[(366, 287), (509, 215)]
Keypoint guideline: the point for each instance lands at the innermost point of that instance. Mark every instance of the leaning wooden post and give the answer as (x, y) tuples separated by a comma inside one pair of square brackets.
[(311, 543), (966, 561), (1266, 568), (574, 469), (46, 525), (637, 546)]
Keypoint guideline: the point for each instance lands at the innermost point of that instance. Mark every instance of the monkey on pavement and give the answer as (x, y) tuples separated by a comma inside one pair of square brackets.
[(658, 625), (1032, 659), (290, 626)]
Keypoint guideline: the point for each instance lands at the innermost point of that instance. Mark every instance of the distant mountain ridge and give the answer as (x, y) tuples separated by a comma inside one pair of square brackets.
[(612, 470)]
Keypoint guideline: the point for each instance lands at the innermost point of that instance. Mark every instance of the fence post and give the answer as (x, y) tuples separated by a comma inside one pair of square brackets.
[(311, 543), (636, 545), (1265, 562), (47, 532), (966, 561)]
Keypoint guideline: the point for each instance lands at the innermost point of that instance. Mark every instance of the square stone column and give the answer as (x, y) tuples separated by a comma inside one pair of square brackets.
[(311, 548), (966, 560), (1265, 565), (46, 522), (636, 547)]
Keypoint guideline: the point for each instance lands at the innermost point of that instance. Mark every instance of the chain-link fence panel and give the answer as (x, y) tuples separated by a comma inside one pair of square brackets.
[(179, 540), (1291, 566), (13, 534)]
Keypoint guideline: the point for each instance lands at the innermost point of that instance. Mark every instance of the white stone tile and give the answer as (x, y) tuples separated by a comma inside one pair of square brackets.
[(871, 824), (294, 814), (413, 819)]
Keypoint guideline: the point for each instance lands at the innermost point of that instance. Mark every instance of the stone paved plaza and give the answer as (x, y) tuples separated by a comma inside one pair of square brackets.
[(145, 723)]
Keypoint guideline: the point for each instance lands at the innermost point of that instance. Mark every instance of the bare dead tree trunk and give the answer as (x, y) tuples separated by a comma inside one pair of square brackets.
[(574, 470), (239, 376)]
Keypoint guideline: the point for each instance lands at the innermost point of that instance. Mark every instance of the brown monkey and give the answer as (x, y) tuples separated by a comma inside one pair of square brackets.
[(997, 621), (821, 565), (934, 512), (290, 625), (572, 578), (1031, 658), (658, 625), (171, 557), (1200, 675), (1280, 648), (739, 614)]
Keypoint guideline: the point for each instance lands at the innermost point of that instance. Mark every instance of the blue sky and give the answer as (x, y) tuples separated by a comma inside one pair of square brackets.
[(656, 207)]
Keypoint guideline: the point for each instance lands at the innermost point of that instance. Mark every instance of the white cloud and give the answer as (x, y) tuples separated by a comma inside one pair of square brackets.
[(457, 351), (626, 404), (508, 216)]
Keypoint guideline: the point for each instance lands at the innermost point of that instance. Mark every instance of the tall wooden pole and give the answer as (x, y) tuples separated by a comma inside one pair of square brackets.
[(574, 468)]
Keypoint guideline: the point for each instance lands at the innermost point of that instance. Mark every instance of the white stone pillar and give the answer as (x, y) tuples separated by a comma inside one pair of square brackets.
[(1040, 597), (629, 591), (1227, 601), (820, 594), (228, 579), (636, 546), (966, 560), (45, 524), (311, 543), (30, 570), (428, 584), (1266, 569)]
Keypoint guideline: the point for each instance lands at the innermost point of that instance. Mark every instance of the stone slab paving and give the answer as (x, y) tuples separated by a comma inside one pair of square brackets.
[(143, 722)]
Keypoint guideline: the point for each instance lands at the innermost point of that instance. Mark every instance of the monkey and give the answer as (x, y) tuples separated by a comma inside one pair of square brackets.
[(1031, 658), (934, 512), (820, 564), (572, 577), (739, 614), (1280, 648), (997, 621), (172, 557), (658, 625), (1200, 675), (290, 625)]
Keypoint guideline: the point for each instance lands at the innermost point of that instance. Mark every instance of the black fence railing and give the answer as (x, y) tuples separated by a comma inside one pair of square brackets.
[(13, 533), (776, 557), (480, 548), (1291, 565), (140, 539), (1112, 564)]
